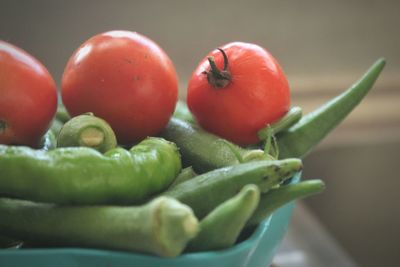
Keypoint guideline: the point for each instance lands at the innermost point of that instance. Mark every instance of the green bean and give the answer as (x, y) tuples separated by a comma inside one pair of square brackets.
[(222, 226), (206, 191), (162, 227)]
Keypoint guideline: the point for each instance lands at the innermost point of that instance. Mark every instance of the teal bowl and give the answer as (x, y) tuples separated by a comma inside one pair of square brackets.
[(256, 251)]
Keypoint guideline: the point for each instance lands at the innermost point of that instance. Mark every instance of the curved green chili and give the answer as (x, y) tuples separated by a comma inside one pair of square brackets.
[(290, 118), (81, 175), (298, 140)]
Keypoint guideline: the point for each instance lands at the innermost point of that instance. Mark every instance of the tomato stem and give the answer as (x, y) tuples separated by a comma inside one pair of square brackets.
[(216, 77)]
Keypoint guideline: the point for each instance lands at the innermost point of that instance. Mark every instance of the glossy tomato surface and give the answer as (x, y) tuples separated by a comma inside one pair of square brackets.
[(124, 78), (28, 97), (257, 93)]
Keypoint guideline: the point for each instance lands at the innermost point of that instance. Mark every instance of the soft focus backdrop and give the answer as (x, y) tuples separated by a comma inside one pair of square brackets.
[(323, 47)]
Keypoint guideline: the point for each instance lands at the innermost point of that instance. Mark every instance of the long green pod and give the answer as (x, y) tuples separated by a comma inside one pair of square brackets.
[(182, 112), (298, 140), (206, 191), (222, 226), (62, 114), (81, 175), (185, 175), (162, 227), (291, 117), (205, 151), (282, 195)]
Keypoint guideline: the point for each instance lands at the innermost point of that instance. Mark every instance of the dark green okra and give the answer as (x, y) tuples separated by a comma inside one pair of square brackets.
[(161, 227), (206, 191), (222, 226), (185, 175), (205, 151), (80, 175), (59, 120), (62, 114), (277, 197), (298, 140), (182, 112), (288, 120)]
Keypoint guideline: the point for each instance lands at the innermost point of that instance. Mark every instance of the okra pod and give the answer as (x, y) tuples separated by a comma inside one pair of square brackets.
[(298, 140), (162, 227)]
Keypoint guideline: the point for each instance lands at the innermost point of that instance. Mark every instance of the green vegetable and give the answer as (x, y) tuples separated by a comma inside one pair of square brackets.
[(48, 141), (205, 151), (162, 227), (81, 175), (185, 175), (56, 126), (282, 195), (89, 131), (298, 140), (290, 118), (222, 226), (206, 191), (182, 112), (62, 114)]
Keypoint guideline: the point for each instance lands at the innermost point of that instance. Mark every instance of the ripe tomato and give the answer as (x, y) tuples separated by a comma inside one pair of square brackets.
[(244, 91), (124, 78), (28, 97)]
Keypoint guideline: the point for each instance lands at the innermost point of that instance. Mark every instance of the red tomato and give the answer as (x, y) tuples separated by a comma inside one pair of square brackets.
[(239, 99), (28, 97), (124, 78)]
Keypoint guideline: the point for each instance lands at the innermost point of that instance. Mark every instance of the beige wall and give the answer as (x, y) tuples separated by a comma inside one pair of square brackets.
[(308, 37)]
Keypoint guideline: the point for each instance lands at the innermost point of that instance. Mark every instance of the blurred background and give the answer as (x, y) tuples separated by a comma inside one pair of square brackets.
[(323, 47)]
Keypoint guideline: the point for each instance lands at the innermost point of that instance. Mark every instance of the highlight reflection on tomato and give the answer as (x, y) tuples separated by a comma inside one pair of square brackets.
[(236, 90), (124, 78)]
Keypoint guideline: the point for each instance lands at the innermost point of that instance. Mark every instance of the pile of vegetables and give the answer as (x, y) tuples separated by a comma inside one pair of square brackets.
[(123, 164)]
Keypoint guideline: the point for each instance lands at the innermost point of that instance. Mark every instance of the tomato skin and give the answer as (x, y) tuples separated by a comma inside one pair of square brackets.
[(258, 93), (124, 78), (28, 97)]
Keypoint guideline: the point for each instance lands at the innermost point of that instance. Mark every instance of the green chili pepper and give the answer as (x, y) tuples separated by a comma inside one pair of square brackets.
[(298, 140), (81, 175)]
